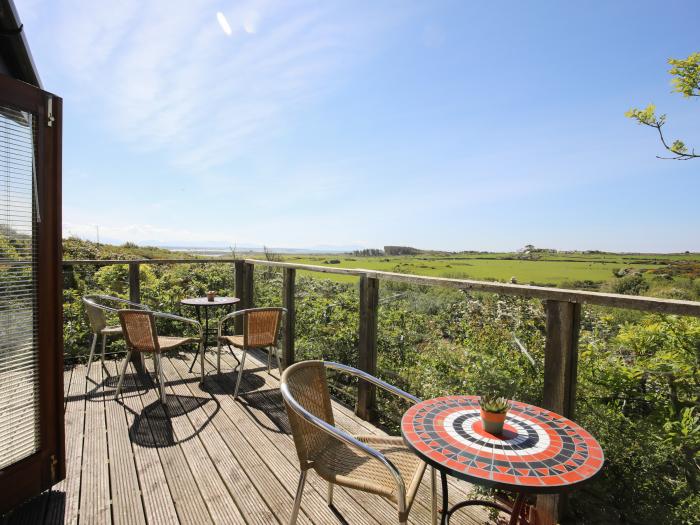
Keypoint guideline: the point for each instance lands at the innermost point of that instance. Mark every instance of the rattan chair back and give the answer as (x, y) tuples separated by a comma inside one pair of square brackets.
[(261, 327), (308, 386), (139, 329), (96, 316)]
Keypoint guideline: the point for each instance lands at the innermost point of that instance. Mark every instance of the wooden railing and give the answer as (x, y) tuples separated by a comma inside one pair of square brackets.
[(563, 314)]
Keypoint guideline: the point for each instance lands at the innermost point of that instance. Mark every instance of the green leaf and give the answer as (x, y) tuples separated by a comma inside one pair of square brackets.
[(679, 146), (645, 116)]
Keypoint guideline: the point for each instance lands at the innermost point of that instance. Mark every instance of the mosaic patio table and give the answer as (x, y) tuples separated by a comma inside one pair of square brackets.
[(203, 302), (538, 452)]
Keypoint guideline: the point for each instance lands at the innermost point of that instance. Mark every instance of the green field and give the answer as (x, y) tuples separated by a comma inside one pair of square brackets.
[(553, 269)]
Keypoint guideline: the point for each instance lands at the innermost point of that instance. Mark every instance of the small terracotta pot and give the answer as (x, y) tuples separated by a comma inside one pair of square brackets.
[(210, 296), (493, 423)]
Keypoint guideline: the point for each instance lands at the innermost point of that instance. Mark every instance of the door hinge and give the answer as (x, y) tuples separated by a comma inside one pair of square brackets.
[(49, 112), (54, 464)]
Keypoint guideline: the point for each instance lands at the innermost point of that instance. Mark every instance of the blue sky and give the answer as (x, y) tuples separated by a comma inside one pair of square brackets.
[(448, 125)]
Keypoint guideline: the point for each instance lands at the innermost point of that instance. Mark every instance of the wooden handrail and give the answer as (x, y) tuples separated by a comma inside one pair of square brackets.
[(357, 272), (105, 262)]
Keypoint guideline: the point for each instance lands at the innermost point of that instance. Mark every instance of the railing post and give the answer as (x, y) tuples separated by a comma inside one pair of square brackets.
[(239, 283), (367, 358), (288, 287), (249, 285), (560, 368), (134, 282), (135, 297)]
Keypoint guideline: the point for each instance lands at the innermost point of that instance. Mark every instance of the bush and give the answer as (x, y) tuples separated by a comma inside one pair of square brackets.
[(630, 285)]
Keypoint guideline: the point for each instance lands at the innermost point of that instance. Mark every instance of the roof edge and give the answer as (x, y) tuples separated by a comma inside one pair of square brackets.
[(15, 44)]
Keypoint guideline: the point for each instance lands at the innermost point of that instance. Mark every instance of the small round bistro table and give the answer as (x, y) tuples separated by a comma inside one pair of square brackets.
[(538, 452), (203, 302)]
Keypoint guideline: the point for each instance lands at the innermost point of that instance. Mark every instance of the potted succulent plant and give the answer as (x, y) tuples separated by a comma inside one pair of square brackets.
[(493, 413), (210, 295)]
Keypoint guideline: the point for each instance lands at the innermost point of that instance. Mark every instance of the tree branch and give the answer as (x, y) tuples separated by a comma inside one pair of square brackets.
[(680, 155)]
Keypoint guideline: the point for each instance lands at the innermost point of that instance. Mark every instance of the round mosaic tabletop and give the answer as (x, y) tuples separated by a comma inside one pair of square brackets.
[(539, 451), (203, 301)]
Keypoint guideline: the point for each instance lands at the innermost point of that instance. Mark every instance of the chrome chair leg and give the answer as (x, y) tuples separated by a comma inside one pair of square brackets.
[(329, 495), (202, 350), (161, 377), (218, 358), (92, 355), (121, 376), (279, 361), (269, 359), (297, 498), (104, 346), (240, 374)]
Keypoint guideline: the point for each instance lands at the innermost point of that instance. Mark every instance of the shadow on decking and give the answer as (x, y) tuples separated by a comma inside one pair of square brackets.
[(270, 402), (153, 426), (225, 383)]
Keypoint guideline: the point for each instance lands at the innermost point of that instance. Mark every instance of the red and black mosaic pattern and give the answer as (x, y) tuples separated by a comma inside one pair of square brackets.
[(539, 451)]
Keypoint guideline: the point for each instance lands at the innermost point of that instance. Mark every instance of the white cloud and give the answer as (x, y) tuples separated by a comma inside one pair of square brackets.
[(161, 75), (144, 233), (225, 27)]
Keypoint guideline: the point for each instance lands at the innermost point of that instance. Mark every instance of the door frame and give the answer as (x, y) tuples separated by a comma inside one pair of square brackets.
[(30, 476)]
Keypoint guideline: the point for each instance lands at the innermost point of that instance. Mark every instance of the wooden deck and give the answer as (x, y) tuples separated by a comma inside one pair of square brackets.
[(203, 458)]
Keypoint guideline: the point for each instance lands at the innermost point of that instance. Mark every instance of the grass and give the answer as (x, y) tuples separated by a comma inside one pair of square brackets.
[(547, 269)]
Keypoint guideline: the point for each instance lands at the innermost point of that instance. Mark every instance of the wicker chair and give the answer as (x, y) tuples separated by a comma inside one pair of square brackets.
[(97, 307), (380, 465), (141, 335), (261, 327)]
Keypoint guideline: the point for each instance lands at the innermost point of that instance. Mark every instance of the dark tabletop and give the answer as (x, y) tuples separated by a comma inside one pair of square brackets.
[(539, 451), (203, 301)]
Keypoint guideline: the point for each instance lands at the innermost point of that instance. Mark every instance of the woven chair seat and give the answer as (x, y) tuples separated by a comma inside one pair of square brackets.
[(233, 340), (168, 343), (348, 466), (111, 330)]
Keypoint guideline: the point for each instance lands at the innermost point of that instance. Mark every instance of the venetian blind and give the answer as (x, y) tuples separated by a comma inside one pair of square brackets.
[(19, 367)]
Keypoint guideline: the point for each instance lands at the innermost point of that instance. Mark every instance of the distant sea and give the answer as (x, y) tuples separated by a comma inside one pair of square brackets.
[(209, 251)]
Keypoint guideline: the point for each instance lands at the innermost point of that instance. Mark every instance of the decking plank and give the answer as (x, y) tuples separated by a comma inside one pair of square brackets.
[(179, 402), (157, 501), (95, 495), (56, 498), (233, 474), (64, 496), (186, 497), (127, 504), (75, 432)]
